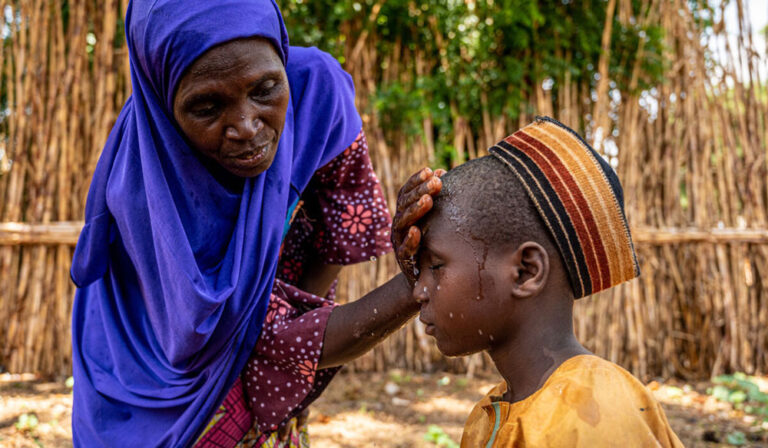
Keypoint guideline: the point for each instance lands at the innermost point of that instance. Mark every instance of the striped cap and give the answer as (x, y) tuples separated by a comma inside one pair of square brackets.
[(580, 199)]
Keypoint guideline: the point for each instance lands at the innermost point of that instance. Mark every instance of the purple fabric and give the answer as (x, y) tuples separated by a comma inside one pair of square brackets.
[(174, 269)]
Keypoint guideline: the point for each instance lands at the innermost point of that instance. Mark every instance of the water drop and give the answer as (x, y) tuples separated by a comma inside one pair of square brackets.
[(375, 311), (477, 298), (425, 290), (450, 315), (491, 337), (480, 332)]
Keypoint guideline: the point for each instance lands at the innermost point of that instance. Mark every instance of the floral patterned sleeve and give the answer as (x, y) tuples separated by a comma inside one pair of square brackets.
[(343, 217), (355, 220)]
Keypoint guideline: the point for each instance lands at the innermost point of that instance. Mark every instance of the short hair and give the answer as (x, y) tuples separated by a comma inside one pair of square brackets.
[(488, 202)]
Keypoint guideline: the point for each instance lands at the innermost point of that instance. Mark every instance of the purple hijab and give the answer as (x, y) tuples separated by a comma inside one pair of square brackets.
[(174, 270)]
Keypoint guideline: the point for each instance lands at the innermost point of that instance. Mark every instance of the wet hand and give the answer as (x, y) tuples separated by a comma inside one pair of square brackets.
[(413, 202)]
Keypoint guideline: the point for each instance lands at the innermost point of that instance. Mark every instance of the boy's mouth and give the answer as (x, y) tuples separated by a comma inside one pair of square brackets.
[(429, 327)]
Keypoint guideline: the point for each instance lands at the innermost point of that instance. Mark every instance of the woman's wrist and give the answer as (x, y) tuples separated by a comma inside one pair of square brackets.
[(356, 327), (405, 294)]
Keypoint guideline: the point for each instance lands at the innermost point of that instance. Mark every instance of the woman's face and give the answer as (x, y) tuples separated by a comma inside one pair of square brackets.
[(231, 105)]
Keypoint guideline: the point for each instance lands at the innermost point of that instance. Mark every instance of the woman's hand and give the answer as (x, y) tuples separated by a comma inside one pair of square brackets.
[(413, 202), (355, 327), (285, 428)]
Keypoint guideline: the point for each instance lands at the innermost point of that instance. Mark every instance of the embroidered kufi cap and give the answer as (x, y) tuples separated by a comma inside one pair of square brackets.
[(579, 198)]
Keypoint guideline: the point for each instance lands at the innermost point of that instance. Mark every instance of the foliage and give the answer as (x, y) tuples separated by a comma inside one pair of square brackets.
[(736, 438), (741, 391), (27, 422), (500, 49), (437, 435)]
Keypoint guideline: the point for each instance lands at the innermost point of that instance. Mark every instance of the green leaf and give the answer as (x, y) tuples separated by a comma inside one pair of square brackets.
[(27, 422), (737, 397), (721, 393), (736, 438), (437, 435)]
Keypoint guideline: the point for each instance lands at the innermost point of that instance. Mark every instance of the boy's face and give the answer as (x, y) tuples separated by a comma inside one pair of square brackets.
[(459, 287)]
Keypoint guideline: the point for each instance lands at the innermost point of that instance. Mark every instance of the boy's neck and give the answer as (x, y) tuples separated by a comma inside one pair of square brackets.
[(527, 360)]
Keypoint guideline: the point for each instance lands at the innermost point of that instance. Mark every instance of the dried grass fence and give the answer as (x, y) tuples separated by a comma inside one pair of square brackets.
[(692, 161)]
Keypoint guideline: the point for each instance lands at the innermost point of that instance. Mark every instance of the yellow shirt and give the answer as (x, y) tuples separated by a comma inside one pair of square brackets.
[(586, 402)]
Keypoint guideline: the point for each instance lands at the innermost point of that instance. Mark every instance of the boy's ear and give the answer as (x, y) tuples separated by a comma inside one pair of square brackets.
[(529, 270)]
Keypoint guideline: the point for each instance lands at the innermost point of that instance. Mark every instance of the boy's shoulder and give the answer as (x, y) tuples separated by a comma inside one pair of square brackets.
[(587, 399)]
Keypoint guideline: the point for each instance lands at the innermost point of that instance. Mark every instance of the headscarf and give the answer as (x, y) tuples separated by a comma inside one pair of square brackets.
[(174, 269)]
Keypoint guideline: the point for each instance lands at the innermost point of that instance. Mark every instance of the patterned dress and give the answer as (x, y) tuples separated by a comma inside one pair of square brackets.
[(342, 219)]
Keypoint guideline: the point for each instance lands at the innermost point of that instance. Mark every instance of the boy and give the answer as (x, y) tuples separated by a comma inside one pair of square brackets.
[(512, 240)]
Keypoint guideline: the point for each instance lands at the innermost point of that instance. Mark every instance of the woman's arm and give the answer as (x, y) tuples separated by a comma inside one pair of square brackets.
[(356, 327)]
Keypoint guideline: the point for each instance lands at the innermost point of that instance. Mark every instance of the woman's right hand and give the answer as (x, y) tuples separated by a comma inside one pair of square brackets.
[(413, 202)]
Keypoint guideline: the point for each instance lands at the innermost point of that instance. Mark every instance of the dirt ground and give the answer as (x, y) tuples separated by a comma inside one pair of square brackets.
[(389, 410)]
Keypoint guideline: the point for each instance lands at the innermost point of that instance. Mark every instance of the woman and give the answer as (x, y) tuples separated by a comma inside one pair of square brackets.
[(188, 207)]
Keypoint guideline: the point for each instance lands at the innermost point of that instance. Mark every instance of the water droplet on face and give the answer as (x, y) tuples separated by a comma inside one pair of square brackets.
[(450, 315), (462, 315), (375, 311), (490, 336), (438, 287), (416, 272), (425, 290), (477, 298), (480, 332)]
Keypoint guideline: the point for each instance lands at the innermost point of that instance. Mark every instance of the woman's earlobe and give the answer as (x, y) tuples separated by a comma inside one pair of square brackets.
[(530, 270)]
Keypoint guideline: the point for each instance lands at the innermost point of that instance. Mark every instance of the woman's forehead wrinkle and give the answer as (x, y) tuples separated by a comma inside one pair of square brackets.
[(168, 40), (215, 67)]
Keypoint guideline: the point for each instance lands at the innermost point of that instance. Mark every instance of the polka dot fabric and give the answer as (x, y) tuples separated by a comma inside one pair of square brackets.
[(343, 219), (282, 373)]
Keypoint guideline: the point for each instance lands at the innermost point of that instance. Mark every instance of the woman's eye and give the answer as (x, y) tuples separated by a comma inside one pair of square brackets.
[(204, 111), (265, 89), (435, 267)]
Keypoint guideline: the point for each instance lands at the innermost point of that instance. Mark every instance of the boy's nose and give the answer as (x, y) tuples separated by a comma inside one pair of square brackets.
[(420, 292)]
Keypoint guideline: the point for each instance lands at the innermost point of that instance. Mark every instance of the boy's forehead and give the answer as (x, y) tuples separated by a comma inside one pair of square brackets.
[(439, 224)]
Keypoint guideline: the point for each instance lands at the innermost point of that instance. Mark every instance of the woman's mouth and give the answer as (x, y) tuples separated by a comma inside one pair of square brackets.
[(251, 158), (251, 153)]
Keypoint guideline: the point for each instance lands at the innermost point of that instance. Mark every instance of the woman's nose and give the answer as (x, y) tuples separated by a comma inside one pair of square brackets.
[(243, 127)]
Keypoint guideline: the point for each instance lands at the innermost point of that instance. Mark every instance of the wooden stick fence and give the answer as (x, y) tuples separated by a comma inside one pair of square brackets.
[(66, 233), (692, 160)]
